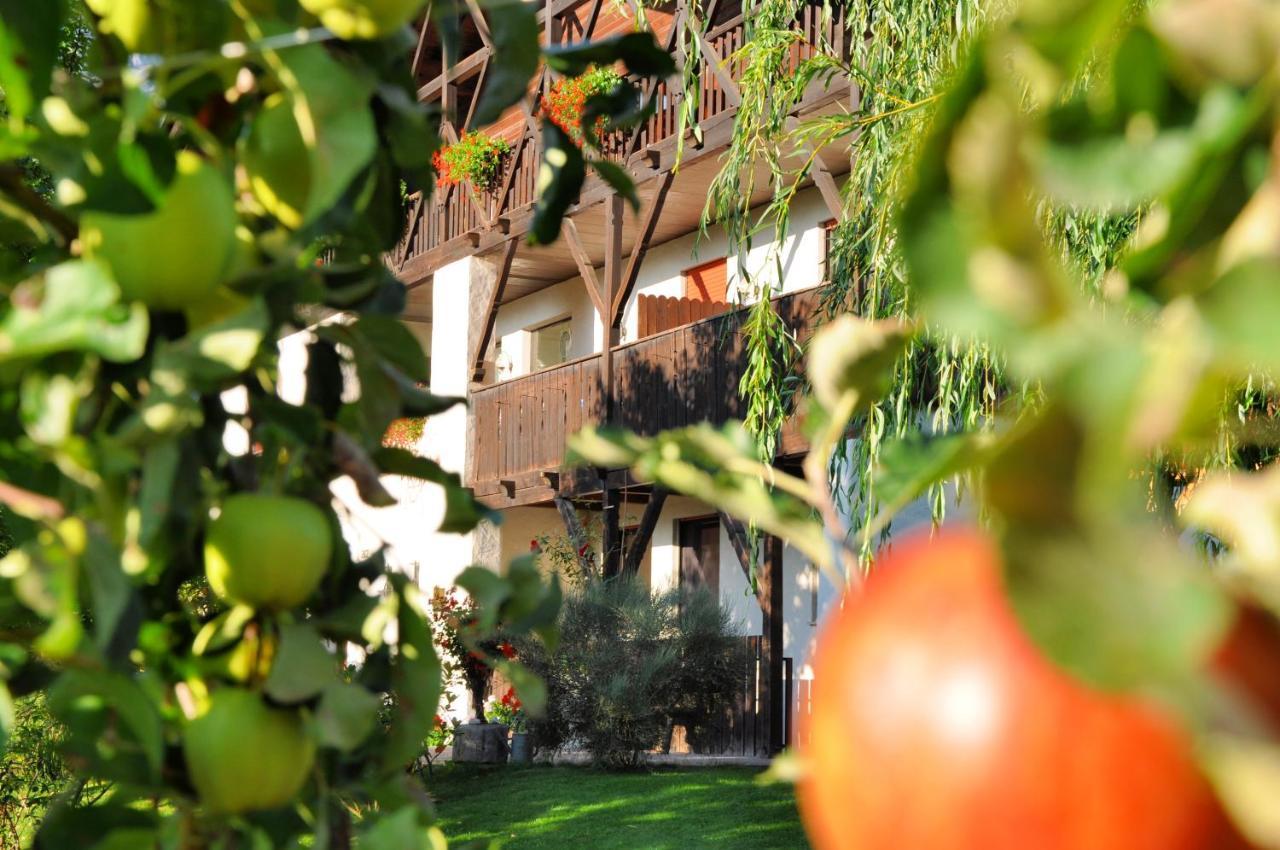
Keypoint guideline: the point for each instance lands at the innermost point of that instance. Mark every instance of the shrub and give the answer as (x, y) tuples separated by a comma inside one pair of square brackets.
[(476, 158), (629, 664), (567, 99)]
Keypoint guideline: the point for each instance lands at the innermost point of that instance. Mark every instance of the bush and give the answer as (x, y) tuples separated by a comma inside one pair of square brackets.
[(631, 663), (32, 772)]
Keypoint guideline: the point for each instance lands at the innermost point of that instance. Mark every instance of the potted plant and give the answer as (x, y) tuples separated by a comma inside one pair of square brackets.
[(509, 711), (476, 159), (466, 657), (568, 97)]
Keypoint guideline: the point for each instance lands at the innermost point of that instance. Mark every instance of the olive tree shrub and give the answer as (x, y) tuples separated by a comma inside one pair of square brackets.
[(631, 663)]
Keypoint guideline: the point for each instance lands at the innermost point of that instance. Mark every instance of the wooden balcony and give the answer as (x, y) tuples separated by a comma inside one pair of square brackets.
[(457, 221), (680, 377)]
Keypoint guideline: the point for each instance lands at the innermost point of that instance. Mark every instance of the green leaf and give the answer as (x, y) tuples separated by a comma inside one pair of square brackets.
[(1242, 309), (560, 178), (910, 466), (854, 355), (28, 51), (7, 716), (307, 145), (637, 50), (529, 686), (218, 351), (79, 310), (402, 831), (1243, 510), (90, 702), (1121, 610), (395, 343), (514, 29), (489, 591), (302, 667), (346, 716), (416, 679), (462, 511)]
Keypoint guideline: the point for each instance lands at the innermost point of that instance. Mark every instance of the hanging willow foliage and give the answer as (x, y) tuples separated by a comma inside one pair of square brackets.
[(901, 56)]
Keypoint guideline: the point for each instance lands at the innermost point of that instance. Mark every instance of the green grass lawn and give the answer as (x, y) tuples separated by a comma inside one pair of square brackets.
[(564, 808)]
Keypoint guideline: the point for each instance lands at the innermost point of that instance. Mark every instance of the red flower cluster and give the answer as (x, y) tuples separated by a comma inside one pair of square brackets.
[(476, 158), (564, 103), (534, 546), (508, 651), (511, 701)]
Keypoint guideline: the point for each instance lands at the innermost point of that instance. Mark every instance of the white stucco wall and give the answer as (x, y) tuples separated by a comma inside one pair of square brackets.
[(568, 299)]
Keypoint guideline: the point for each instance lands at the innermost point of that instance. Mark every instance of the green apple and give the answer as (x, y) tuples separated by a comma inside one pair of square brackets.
[(177, 254), (267, 552), (244, 756), (362, 19)]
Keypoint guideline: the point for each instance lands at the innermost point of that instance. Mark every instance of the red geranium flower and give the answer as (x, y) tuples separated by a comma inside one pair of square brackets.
[(508, 651)]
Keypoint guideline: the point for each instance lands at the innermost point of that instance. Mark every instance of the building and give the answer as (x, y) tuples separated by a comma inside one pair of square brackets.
[(629, 319)]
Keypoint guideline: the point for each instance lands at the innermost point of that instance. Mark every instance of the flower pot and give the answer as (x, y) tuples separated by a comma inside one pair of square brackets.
[(521, 752), (480, 743)]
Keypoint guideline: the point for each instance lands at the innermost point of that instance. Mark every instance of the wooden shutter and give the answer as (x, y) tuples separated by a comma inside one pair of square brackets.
[(707, 282)]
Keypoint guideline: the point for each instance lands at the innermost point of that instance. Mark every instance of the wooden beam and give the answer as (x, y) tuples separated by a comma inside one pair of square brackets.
[(644, 532), (491, 309), (723, 77), (464, 69), (643, 238), (741, 546), (577, 534), (827, 187), (772, 606), (612, 283), (611, 534), (580, 256)]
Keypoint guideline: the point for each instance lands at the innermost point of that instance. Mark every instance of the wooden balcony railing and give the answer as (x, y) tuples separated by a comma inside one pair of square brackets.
[(458, 214), (681, 377)]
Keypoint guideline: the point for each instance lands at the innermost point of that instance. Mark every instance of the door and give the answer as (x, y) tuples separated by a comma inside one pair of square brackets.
[(700, 555)]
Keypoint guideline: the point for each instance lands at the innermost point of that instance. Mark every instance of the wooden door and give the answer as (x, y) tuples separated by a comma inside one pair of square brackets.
[(700, 555)]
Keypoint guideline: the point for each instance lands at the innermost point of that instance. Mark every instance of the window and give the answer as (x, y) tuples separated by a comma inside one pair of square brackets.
[(707, 282), (700, 554), (828, 233), (550, 344)]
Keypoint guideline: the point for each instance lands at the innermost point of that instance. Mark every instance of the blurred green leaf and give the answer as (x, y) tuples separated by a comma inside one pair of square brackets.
[(416, 678), (560, 179), (306, 146), (1122, 610), (637, 50), (346, 716), (90, 702), (515, 41), (28, 51), (850, 354), (302, 666), (79, 309)]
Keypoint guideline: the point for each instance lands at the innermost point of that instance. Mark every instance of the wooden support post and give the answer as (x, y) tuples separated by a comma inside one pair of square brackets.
[(487, 318), (644, 532), (738, 540), (773, 607), (577, 534), (611, 536), (612, 284), (628, 280)]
